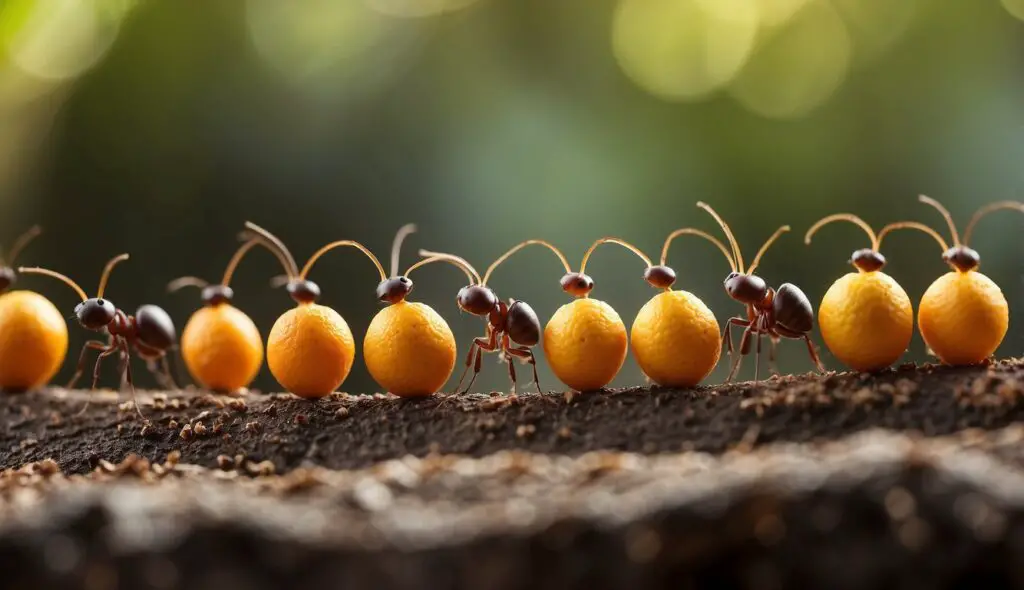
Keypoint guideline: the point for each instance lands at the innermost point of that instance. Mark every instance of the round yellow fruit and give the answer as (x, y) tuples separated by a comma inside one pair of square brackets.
[(676, 339), (585, 344), (866, 320), (310, 350), (963, 317), (409, 349), (222, 348), (33, 340)]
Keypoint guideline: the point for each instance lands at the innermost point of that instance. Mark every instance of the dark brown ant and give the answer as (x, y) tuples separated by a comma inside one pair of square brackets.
[(8, 276), (782, 313), (150, 332), (512, 328)]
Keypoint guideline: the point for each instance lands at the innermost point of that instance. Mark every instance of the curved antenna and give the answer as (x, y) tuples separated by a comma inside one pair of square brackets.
[(182, 282), (21, 242), (457, 261), (699, 233), (469, 275), (764, 248), (623, 243), (275, 245), (233, 263), (843, 217), (1016, 205), (520, 246), (45, 271), (912, 225), (106, 273), (737, 255), (338, 244), (396, 246), (945, 215)]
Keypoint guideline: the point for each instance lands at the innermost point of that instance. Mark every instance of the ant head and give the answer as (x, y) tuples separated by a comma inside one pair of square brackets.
[(747, 289), (868, 260), (394, 289), (660, 277), (217, 294), (476, 299), (7, 278), (962, 258), (577, 284), (95, 313), (303, 291)]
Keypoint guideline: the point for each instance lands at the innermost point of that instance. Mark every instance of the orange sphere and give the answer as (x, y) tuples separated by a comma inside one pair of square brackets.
[(310, 350), (585, 343), (222, 347), (676, 339), (33, 340), (963, 317), (409, 349)]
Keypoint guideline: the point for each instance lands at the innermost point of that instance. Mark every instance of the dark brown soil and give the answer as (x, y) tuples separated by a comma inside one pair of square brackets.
[(345, 432)]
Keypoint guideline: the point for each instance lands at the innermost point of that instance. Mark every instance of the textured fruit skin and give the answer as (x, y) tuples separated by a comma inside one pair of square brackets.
[(866, 320), (963, 317), (222, 347), (409, 349), (310, 350), (676, 339), (33, 340), (585, 344)]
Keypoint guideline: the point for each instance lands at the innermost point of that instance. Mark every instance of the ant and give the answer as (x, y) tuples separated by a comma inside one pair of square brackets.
[(7, 274), (150, 332), (512, 328), (782, 313)]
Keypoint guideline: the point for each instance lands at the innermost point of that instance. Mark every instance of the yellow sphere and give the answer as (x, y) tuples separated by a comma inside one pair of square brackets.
[(866, 320), (310, 350), (963, 317), (222, 348), (676, 339), (409, 349), (33, 340), (585, 344)]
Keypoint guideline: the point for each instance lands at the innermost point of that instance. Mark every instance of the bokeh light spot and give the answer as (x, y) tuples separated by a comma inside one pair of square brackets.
[(683, 49), (417, 8), (1014, 7), (798, 66), (875, 25)]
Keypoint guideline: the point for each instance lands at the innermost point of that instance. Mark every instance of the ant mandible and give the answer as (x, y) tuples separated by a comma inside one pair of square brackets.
[(150, 332), (782, 313)]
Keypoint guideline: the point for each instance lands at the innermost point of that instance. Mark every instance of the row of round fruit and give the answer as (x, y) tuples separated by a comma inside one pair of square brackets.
[(866, 320)]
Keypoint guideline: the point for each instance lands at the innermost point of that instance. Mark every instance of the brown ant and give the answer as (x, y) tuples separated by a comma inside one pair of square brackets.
[(782, 313), (512, 328), (7, 274), (150, 332)]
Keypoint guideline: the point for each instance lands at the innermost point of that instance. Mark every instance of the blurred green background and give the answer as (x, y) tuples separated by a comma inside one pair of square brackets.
[(158, 128)]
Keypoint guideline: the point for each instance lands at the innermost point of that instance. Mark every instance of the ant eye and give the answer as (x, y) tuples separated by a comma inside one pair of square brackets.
[(100, 302)]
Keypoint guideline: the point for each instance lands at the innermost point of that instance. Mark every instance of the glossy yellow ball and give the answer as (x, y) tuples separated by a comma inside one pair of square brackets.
[(310, 350), (676, 339), (585, 344), (409, 349), (963, 317), (33, 340), (222, 348), (866, 320)]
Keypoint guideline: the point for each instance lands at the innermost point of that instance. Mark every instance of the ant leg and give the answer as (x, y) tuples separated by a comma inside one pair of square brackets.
[(128, 378), (166, 364), (105, 351), (511, 375), (757, 359), (99, 361), (89, 345), (476, 370), (727, 334), (489, 344), (772, 365), (814, 354), (161, 372), (744, 351)]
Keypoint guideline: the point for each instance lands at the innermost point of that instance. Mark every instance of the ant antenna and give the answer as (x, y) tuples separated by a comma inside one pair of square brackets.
[(474, 276), (182, 282), (945, 215), (276, 246), (420, 263), (50, 273), (396, 246), (106, 273), (623, 243), (520, 246), (875, 245), (764, 248), (338, 244), (912, 225), (21, 242), (1016, 205), (736, 253), (699, 233), (233, 263)]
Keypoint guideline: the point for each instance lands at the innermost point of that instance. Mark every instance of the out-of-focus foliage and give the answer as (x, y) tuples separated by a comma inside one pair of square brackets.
[(158, 128)]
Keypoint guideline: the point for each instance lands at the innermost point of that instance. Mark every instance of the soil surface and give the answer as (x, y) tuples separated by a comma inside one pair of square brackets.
[(281, 432)]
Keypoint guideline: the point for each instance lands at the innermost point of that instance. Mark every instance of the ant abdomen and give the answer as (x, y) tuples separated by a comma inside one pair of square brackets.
[(792, 309), (155, 327), (522, 324)]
